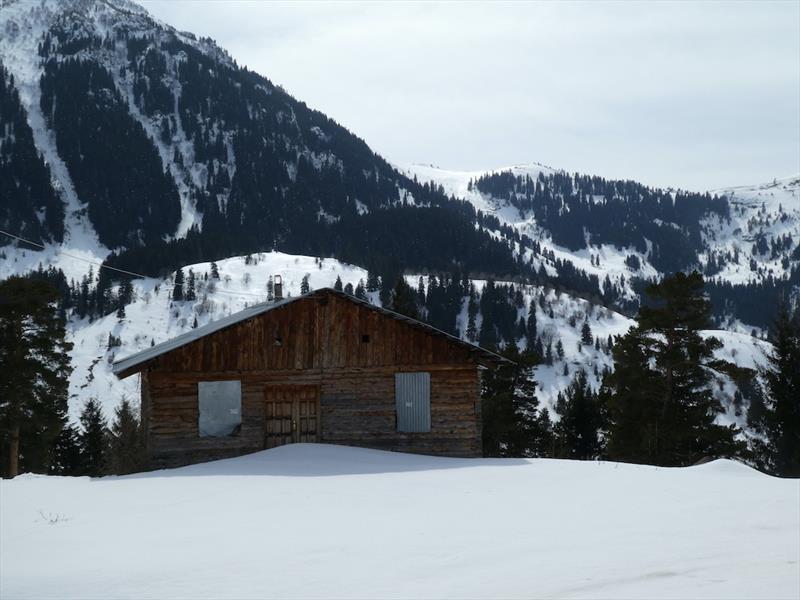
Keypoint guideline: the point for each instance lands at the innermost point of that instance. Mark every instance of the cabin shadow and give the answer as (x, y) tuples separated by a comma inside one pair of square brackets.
[(321, 460)]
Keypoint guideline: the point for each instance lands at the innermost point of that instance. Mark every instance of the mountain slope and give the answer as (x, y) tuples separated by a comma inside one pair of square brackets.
[(174, 154), (745, 240)]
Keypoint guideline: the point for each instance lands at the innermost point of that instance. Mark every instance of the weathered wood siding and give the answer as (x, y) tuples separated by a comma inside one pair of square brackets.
[(321, 343)]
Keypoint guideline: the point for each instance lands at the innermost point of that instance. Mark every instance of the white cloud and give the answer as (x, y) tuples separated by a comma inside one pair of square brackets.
[(697, 95)]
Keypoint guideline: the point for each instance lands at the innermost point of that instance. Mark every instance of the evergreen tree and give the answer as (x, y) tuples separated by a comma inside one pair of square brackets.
[(126, 452), (782, 418), (404, 299), (421, 299), (304, 285), (531, 331), (509, 407), (93, 439), (582, 421), (214, 271), (373, 282), (338, 284), (472, 314), (177, 288), (586, 334), (66, 452), (348, 289), (191, 294), (661, 407), (125, 297), (360, 291), (34, 371)]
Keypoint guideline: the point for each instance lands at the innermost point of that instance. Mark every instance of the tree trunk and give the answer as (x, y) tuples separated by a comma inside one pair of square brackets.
[(13, 453)]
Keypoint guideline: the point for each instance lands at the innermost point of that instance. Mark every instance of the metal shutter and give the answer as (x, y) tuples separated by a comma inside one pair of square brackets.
[(412, 392), (220, 407)]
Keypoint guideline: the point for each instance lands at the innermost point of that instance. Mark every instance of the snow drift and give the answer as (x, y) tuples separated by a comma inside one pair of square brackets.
[(318, 521)]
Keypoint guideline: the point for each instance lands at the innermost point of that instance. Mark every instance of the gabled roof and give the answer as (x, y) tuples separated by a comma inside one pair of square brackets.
[(135, 362)]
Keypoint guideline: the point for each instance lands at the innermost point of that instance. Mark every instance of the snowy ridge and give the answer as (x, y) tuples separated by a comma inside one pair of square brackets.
[(372, 524), (152, 317), (763, 212), (611, 259), (768, 212)]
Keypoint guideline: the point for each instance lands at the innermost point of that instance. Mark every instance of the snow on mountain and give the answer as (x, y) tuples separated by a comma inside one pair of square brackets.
[(458, 184), (758, 240), (22, 26), (760, 216), (314, 521), (153, 317)]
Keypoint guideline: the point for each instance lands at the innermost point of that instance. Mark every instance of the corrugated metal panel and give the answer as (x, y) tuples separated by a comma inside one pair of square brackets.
[(412, 392), (220, 407)]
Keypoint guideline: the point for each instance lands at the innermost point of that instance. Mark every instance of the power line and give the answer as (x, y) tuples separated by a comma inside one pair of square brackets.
[(91, 262), (105, 266)]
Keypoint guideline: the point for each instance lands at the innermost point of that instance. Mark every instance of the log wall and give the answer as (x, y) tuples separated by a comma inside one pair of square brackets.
[(348, 350)]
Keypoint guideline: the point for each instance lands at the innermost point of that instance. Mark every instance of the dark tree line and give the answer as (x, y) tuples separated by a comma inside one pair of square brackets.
[(113, 164), (30, 207), (579, 210), (35, 433), (657, 405)]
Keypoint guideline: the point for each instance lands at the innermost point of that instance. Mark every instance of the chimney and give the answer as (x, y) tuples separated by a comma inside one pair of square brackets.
[(278, 288)]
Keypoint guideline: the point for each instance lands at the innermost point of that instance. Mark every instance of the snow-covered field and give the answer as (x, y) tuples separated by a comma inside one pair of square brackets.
[(308, 521)]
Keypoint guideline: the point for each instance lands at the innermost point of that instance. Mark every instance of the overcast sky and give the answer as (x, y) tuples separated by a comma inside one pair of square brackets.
[(694, 95)]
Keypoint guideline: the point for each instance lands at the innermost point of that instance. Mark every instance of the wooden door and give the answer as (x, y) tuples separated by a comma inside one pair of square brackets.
[(291, 414)]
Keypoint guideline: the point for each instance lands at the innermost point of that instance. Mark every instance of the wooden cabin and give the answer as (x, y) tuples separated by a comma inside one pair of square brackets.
[(323, 367)]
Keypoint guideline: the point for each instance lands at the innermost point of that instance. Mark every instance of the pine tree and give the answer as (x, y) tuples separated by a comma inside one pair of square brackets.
[(304, 285), (360, 291), (214, 271), (66, 452), (191, 294), (509, 408), (531, 331), (586, 334), (125, 297), (126, 442), (582, 420), (93, 439), (338, 284), (34, 371), (348, 289), (472, 315), (782, 418), (661, 407), (177, 288), (373, 282), (404, 299)]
